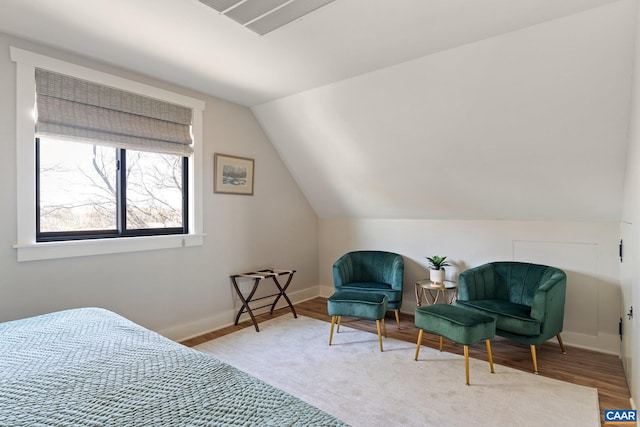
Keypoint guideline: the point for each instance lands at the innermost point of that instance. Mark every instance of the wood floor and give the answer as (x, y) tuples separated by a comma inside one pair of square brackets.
[(578, 366)]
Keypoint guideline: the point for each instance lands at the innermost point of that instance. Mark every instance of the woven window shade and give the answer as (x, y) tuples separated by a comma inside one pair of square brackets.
[(78, 110)]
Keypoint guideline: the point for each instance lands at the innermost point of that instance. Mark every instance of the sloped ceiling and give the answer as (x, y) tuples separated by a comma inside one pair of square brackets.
[(478, 109), (527, 125)]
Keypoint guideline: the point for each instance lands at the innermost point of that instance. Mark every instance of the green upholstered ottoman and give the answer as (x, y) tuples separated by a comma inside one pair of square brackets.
[(457, 324), (357, 304)]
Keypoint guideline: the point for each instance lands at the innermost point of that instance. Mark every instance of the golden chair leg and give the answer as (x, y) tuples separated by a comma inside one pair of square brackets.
[(561, 344), (535, 360), (333, 322), (397, 311), (339, 318), (419, 342), (384, 327), (490, 355), (441, 342), (466, 362), (379, 334)]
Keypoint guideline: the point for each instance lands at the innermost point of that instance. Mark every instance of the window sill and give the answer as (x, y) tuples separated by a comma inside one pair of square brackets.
[(77, 248)]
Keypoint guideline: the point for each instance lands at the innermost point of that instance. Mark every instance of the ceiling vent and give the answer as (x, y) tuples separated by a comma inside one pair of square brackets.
[(263, 16)]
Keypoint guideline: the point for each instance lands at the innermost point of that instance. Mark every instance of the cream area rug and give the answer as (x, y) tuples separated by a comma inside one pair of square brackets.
[(355, 382)]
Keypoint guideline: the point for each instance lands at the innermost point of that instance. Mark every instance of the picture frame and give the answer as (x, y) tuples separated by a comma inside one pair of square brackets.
[(232, 174)]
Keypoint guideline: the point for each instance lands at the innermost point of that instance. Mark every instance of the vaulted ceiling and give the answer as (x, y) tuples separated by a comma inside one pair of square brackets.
[(470, 109)]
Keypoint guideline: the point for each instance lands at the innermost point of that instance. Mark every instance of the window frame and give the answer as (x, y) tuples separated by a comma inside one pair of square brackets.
[(28, 249)]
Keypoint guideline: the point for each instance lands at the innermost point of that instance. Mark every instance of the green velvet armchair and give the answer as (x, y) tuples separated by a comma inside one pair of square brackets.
[(527, 300), (373, 272)]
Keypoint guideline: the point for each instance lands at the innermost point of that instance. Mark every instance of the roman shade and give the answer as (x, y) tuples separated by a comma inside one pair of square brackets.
[(73, 109)]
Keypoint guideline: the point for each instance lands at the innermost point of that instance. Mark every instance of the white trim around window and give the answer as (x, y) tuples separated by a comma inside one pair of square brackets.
[(27, 247)]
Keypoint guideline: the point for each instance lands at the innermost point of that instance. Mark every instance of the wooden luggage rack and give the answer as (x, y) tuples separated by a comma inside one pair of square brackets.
[(257, 277)]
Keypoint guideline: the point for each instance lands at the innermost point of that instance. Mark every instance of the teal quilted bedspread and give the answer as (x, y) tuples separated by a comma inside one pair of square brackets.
[(92, 367)]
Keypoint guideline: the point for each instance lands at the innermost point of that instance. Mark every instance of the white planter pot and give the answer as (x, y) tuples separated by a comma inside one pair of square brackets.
[(436, 276)]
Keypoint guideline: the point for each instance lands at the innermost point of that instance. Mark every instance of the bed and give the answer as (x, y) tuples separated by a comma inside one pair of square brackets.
[(92, 367)]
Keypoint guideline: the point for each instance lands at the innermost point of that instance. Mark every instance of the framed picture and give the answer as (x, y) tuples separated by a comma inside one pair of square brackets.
[(232, 174)]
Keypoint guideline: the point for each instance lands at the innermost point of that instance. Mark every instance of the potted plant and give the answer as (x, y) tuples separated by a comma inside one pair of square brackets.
[(437, 264)]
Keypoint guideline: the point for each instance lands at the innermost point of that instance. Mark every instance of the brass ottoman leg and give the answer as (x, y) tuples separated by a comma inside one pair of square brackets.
[(441, 342), (397, 311), (339, 318), (379, 334), (333, 322), (490, 355), (418, 345), (466, 362)]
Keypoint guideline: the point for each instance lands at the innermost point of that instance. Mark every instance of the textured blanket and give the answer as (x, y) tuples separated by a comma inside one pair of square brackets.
[(92, 367)]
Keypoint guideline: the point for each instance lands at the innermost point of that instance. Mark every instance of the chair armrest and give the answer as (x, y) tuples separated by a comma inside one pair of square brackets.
[(342, 271), (394, 273), (476, 283), (548, 301)]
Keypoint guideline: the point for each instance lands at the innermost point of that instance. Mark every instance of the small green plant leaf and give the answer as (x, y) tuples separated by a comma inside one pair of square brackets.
[(437, 262)]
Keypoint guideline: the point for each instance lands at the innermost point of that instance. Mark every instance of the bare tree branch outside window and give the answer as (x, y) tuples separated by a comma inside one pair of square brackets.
[(78, 188)]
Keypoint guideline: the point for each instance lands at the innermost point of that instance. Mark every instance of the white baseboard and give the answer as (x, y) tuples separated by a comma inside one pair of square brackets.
[(603, 343), (226, 318), (326, 291), (199, 327)]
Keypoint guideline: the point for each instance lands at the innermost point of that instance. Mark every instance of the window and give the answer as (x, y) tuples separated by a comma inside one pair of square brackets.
[(90, 191), (84, 189)]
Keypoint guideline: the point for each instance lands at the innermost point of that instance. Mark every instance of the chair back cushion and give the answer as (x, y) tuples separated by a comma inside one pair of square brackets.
[(369, 266), (512, 281), (521, 280)]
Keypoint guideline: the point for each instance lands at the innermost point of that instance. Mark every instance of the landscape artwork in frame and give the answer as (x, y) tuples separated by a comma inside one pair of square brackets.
[(232, 174)]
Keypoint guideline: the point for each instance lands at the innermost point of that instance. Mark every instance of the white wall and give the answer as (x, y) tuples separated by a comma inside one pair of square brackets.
[(178, 292), (587, 251), (631, 229)]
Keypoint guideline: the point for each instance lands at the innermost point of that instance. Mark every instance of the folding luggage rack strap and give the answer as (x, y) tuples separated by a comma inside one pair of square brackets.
[(257, 277)]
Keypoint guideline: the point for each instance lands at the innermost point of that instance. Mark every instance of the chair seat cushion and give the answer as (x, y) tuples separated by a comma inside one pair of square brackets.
[(455, 323), (364, 305), (393, 295), (510, 317)]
